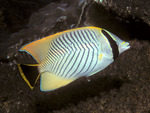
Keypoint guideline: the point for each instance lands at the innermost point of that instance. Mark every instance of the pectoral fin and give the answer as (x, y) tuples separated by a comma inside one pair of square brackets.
[(50, 81)]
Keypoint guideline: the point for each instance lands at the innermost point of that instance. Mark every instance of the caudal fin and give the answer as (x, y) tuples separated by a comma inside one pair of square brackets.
[(29, 73)]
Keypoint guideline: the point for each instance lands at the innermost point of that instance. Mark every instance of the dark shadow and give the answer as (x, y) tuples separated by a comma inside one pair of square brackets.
[(138, 30), (126, 28)]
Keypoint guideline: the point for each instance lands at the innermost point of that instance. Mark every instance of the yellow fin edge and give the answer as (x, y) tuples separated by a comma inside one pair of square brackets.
[(30, 53), (24, 77), (53, 36)]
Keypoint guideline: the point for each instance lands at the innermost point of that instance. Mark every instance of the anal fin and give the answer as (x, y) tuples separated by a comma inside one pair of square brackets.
[(50, 81)]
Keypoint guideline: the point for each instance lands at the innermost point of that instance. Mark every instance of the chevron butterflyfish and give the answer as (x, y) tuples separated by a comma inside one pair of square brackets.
[(66, 56)]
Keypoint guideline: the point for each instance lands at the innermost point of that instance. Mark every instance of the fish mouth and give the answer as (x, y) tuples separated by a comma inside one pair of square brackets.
[(127, 45), (124, 47)]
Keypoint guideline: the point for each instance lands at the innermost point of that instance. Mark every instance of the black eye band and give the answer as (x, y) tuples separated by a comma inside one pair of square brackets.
[(113, 45)]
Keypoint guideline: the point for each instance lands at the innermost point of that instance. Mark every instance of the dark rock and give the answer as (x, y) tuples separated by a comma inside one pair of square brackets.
[(128, 8), (52, 18)]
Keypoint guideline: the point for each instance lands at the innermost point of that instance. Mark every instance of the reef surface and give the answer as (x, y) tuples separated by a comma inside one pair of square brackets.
[(121, 87)]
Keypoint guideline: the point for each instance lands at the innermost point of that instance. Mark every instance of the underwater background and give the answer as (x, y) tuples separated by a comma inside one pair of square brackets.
[(123, 86)]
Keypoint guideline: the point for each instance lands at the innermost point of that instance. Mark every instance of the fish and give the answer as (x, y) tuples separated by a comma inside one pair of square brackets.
[(66, 56)]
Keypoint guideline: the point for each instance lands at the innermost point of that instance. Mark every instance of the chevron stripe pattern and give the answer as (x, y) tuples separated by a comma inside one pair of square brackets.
[(73, 54)]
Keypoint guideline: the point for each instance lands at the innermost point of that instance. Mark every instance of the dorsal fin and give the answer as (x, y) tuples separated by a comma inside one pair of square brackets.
[(39, 48)]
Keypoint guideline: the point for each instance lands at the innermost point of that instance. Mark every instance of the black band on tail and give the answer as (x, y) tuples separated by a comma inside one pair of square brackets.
[(113, 45), (29, 73)]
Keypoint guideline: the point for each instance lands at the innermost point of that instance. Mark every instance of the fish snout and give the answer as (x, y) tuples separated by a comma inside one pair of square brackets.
[(123, 47)]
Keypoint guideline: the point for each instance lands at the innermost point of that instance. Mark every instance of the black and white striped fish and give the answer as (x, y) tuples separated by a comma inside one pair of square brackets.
[(66, 56)]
